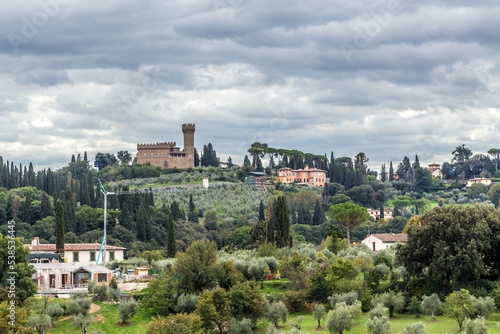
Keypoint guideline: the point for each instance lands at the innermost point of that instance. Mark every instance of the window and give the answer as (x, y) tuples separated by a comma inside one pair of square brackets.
[(165, 155), (102, 278), (159, 155), (92, 256), (111, 256), (152, 155), (145, 155), (75, 256)]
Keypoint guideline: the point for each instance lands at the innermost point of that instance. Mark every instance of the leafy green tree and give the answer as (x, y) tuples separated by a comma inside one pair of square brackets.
[(15, 263), (340, 319), (243, 326), (319, 312), (349, 216), (431, 304), (246, 301), (461, 154), (197, 266), (40, 322), (151, 256), (494, 194), (104, 159), (54, 310), (192, 214), (415, 307), (205, 309), (127, 310), (485, 306), (186, 303), (423, 180), (160, 294), (275, 312), (460, 305), (455, 245), (495, 154), (378, 322), (124, 156), (393, 301), (82, 321)]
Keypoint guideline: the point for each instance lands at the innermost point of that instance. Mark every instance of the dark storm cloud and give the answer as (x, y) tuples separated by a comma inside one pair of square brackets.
[(389, 78)]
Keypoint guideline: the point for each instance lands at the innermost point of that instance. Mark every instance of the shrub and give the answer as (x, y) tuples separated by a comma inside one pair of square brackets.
[(243, 326), (349, 298), (100, 291), (295, 300), (378, 322), (176, 324), (113, 284), (416, 328), (186, 303), (485, 306), (114, 294), (476, 326), (394, 302), (127, 310)]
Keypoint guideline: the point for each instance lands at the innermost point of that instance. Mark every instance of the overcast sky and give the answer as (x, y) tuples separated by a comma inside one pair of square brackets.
[(387, 78)]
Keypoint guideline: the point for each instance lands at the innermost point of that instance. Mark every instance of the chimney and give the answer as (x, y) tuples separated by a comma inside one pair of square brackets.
[(35, 241)]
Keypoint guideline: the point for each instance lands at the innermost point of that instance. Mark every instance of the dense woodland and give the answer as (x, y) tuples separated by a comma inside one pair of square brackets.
[(235, 236)]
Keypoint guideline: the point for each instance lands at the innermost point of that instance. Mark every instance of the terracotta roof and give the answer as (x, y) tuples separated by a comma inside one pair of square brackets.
[(391, 237), (70, 247)]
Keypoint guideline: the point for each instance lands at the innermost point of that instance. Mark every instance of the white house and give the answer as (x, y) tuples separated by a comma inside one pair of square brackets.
[(78, 254), (482, 180), (54, 276), (381, 241)]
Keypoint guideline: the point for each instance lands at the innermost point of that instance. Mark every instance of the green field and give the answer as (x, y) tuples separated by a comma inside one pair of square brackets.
[(106, 320)]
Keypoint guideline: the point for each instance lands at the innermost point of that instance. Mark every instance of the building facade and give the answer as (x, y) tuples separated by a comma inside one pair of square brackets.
[(78, 254), (479, 180), (381, 241), (435, 170), (310, 176), (167, 154)]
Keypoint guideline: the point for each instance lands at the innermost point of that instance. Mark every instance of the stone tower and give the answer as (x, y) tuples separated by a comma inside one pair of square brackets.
[(188, 131)]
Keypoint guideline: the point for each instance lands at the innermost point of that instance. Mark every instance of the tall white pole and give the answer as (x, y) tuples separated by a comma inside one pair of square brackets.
[(105, 224)]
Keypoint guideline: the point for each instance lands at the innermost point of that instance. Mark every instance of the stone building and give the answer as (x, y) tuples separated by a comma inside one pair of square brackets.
[(167, 154)]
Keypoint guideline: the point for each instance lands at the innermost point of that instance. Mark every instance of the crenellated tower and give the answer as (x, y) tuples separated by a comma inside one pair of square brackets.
[(188, 131)]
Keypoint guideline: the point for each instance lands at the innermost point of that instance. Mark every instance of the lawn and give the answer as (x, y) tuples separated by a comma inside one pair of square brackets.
[(442, 324), (107, 320)]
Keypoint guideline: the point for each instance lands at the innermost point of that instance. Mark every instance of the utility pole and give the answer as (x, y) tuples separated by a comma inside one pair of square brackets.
[(105, 193)]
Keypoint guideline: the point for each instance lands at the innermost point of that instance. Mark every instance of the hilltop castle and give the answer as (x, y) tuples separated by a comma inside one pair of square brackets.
[(167, 155)]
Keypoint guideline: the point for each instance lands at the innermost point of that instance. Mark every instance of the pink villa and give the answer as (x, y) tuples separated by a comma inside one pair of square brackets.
[(310, 176)]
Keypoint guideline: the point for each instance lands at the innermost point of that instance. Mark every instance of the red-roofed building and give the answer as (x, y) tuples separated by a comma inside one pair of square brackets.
[(78, 254)]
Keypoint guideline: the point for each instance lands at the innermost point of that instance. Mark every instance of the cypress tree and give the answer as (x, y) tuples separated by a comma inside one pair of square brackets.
[(171, 246), (151, 199), (300, 217), (39, 180), (261, 212), (59, 227), (246, 161), (141, 224), (382, 211), (319, 214), (85, 156), (282, 223), (69, 211), (383, 174), (270, 224), (416, 164), (92, 197), (174, 209), (192, 215), (391, 172), (27, 209)]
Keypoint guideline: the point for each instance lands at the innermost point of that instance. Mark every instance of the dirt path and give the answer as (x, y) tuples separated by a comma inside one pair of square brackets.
[(93, 308)]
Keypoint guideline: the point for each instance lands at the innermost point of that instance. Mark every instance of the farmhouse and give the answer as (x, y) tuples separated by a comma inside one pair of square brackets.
[(381, 241)]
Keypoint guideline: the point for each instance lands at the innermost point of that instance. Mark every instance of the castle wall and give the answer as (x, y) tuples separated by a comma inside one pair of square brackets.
[(167, 155)]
